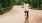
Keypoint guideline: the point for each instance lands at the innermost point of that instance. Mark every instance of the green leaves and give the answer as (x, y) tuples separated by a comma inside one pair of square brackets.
[(36, 4), (5, 5), (18, 2), (0, 5)]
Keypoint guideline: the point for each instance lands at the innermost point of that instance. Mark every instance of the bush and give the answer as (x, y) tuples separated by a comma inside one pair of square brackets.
[(5, 5), (18, 2), (35, 4)]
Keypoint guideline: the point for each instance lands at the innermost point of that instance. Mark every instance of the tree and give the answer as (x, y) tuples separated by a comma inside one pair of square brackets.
[(19, 2), (5, 5), (35, 4)]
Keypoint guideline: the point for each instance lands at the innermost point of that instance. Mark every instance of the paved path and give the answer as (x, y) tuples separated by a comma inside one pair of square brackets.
[(35, 16), (16, 15)]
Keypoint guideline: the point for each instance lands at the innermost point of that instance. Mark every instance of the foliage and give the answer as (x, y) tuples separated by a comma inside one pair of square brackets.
[(36, 4), (5, 5), (18, 2)]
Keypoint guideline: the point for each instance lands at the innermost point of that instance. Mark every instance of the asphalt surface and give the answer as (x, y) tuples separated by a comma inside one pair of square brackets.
[(16, 15)]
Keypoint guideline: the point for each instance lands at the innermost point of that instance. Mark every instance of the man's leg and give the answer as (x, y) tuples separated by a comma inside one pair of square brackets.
[(26, 14)]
